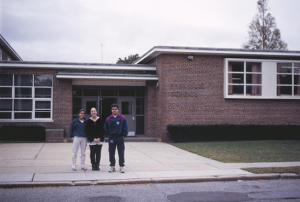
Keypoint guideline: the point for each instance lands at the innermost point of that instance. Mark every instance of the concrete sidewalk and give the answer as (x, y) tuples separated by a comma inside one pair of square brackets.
[(44, 164)]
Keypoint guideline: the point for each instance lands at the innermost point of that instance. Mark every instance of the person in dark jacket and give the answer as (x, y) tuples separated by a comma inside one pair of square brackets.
[(116, 127), (78, 135), (95, 135)]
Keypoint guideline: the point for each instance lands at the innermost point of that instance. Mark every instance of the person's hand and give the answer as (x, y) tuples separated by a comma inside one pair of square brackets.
[(72, 138)]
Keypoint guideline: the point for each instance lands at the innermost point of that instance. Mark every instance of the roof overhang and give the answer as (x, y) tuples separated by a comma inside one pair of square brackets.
[(158, 50), (71, 75), (9, 49), (82, 66)]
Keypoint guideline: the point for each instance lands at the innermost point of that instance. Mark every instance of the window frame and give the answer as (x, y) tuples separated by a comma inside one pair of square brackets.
[(268, 83), (33, 98)]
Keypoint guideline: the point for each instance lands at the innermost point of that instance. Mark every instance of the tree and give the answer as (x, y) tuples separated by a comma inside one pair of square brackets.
[(263, 31), (129, 60)]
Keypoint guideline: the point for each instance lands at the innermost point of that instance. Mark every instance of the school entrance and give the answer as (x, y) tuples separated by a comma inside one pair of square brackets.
[(131, 101)]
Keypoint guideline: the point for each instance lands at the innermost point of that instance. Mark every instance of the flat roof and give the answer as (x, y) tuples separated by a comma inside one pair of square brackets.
[(158, 50), (69, 65)]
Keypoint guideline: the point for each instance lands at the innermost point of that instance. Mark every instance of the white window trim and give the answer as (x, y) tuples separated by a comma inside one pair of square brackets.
[(226, 96), (33, 119)]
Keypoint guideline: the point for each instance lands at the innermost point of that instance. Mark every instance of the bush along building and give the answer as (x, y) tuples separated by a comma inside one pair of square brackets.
[(167, 86)]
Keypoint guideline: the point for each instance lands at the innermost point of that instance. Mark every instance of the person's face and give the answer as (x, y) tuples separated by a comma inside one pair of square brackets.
[(114, 111), (81, 115), (93, 112)]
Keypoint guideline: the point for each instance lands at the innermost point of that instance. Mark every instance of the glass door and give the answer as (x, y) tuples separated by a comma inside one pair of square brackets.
[(127, 108)]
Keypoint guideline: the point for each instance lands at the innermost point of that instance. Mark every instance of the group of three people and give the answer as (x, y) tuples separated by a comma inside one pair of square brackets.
[(91, 131)]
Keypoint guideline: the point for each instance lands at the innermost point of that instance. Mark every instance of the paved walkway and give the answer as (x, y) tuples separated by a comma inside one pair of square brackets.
[(48, 163)]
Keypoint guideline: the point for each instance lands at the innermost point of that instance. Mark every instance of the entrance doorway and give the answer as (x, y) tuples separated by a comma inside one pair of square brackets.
[(130, 100)]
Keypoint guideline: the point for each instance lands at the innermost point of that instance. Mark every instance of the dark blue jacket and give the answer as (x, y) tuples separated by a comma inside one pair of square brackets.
[(77, 128), (116, 126)]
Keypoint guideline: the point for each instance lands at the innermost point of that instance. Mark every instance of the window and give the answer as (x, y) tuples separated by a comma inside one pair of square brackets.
[(25, 97), (288, 79), (244, 78)]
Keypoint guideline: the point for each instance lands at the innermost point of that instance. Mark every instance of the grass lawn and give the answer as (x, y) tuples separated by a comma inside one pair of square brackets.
[(293, 169), (246, 151)]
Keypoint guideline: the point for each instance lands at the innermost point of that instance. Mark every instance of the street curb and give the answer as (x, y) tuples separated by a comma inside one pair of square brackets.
[(152, 180)]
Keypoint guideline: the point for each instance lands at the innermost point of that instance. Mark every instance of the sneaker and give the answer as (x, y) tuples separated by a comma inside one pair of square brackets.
[(112, 169), (74, 169), (122, 169), (94, 168), (84, 168)]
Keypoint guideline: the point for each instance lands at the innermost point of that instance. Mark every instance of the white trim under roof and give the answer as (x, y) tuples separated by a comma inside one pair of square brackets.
[(107, 77), (157, 50), (79, 66)]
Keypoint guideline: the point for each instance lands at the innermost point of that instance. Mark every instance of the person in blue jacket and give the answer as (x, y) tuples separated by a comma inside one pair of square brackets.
[(116, 127), (78, 135)]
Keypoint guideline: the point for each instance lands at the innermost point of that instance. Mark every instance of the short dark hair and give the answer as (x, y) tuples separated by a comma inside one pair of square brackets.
[(81, 110), (114, 105)]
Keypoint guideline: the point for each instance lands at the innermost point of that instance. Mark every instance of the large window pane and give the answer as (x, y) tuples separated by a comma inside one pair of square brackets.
[(90, 92), (284, 67), (77, 101), (284, 90), (23, 80), (253, 78), (284, 79), (23, 92), (42, 115), (107, 92), (125, 92), (5, 115), (253, 90), (235, 90), (5, 92), (126, 108), (42, 80), (235, 78), (42, 105), (297, 90), (236, 66), (42, 93), (140, 92), (22, 115), (6, 79), (23, 105), (297, 79), (253, 67), (297, 68), (5, 105)]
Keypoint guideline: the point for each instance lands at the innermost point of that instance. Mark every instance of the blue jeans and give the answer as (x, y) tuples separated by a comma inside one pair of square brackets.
[(116, 141)]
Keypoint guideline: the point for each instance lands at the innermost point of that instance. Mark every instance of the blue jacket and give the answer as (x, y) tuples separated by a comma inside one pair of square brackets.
[(116, 126), (77, 128)]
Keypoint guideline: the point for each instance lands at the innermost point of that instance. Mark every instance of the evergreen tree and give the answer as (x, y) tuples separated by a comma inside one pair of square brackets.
[(263, 31), (129, 60)]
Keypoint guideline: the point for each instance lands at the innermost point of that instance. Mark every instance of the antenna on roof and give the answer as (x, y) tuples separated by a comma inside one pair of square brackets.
[(101, 53)]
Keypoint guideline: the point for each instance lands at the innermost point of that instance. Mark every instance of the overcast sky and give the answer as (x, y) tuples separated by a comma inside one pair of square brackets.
[(73, 30)]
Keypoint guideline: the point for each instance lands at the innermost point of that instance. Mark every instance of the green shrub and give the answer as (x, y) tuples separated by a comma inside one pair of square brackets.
[(22, 133), (188, 133)]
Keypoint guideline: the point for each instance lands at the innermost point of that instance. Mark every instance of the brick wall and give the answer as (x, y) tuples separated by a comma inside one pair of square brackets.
[(191, 92)]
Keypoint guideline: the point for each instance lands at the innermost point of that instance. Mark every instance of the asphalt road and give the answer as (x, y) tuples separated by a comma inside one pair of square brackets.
[(263, 191)]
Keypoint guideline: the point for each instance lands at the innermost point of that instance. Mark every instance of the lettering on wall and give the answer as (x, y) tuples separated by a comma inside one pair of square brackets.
[(189, 90)]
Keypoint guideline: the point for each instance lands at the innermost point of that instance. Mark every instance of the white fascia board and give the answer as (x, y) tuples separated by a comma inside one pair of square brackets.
[(158, 51), (105, 77), (63, 66), (259, 60)]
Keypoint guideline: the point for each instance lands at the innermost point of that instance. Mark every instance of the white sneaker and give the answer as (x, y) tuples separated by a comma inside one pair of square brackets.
[(84, 168), (112, 169), (122, 170), (74, 169)]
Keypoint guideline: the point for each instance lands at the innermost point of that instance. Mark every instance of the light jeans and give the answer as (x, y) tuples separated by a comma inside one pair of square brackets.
[(82, 142)]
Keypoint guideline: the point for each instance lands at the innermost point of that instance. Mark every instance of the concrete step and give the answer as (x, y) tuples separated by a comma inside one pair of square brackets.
[(137, 138)]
